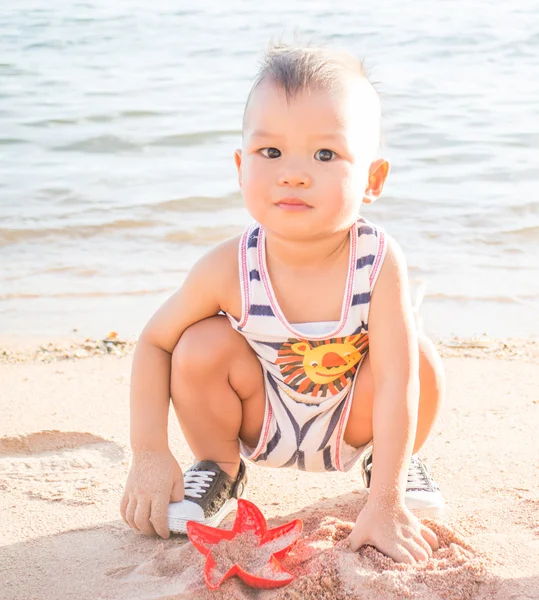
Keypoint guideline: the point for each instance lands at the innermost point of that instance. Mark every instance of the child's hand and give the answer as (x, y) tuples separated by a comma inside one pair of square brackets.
[(154, 480), (394, 531)]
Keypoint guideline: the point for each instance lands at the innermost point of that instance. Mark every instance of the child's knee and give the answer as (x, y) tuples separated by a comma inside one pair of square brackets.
[(431, 369), (203, 346)]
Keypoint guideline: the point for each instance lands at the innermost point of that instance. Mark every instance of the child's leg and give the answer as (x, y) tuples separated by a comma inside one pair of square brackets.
[(359, 429), (217, 390)]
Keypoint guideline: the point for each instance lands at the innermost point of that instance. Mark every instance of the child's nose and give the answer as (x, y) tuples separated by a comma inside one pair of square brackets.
[(294, 177)]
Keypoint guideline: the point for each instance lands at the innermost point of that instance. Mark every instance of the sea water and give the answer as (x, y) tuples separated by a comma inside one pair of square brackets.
[(118, 122)]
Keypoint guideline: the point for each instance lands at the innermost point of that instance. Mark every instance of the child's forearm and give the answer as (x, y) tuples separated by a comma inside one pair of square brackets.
[(394, 427), (150, 397)]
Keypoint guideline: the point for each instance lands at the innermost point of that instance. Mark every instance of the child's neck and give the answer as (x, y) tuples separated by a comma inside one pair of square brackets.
[(304, 254)]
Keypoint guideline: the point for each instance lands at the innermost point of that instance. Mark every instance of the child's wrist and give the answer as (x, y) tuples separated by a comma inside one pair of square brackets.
[(387, 497), (139, 448)]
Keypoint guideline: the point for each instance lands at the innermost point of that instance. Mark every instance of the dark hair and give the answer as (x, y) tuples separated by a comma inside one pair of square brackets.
[(299, 67)]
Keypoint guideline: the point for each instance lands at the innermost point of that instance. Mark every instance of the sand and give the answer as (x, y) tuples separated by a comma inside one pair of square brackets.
[(64, 456), (252, 557)]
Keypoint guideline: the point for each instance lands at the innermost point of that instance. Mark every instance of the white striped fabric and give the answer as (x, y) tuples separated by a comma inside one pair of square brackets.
[(309, 379)]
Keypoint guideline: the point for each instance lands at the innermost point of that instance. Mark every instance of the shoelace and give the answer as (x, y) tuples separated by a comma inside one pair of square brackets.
[(196, 482), (417, 478)]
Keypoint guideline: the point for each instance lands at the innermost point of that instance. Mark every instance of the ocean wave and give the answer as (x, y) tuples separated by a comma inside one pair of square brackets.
[(204, 235), (530, 232), (103, 144), (193, 139), (523, 208), (198, 203), (527, 300), (11, 141), (97, 118), (140, 113), (522, 139), (107, 144), (51, 122), (86, 294), (15, 236), (501, 237), (67, 270)]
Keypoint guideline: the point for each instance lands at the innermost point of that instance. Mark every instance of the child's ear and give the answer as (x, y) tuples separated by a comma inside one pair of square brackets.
[(378, 172), (237, 160)]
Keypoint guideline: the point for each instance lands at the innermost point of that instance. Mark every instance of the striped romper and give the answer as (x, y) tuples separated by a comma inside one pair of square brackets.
[(309, 368)]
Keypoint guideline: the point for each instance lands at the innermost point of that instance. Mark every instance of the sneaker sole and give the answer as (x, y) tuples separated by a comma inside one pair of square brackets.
[(180, 525), (428, 512), (434, 512)]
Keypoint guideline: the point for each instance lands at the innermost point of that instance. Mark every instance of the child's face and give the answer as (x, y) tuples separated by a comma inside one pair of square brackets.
[(306, 163)]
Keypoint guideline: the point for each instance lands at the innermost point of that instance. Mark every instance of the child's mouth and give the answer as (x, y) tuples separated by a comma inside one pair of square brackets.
[(293, 204)]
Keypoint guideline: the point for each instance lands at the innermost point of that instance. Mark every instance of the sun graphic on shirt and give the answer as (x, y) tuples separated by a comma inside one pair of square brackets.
[(318, 367)]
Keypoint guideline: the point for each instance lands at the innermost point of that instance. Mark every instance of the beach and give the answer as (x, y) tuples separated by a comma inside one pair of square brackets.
[(64, 457), (118, 126)]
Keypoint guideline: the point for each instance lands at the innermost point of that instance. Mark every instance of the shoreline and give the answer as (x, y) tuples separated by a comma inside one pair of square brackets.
[(45, 349)]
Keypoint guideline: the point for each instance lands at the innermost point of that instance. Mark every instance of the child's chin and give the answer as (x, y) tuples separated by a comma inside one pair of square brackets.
[(295, 226)]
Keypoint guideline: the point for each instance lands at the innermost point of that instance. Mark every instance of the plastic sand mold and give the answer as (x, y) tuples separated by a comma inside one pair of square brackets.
[(249, 550)]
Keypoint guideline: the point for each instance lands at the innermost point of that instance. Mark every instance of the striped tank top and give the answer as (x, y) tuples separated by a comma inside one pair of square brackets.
[(308, 375)]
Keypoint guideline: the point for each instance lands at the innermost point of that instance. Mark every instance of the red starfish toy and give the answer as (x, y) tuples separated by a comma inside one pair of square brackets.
[(261, 549)]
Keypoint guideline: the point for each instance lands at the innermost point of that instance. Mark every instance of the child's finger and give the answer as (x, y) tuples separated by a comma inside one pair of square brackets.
[(159, 513), (431, 537), (123, 506), (356, 540), (401, 554), (419, 553), (422, 542), (142, 516), (130, 511), (177, 494)]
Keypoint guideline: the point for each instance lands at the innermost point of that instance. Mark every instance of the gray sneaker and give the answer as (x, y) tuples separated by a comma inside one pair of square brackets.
[(422, 496), (210, 495)]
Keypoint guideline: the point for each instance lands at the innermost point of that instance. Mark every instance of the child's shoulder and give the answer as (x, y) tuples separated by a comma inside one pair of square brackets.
[(382, 251), (224, 254), (219, 267)]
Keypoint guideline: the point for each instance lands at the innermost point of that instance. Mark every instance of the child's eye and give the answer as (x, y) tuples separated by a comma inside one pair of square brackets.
[(324, 155), (270, 152)]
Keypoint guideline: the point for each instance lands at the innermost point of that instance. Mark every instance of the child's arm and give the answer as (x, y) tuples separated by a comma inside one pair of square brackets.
[(385, 522), (155, 477)]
